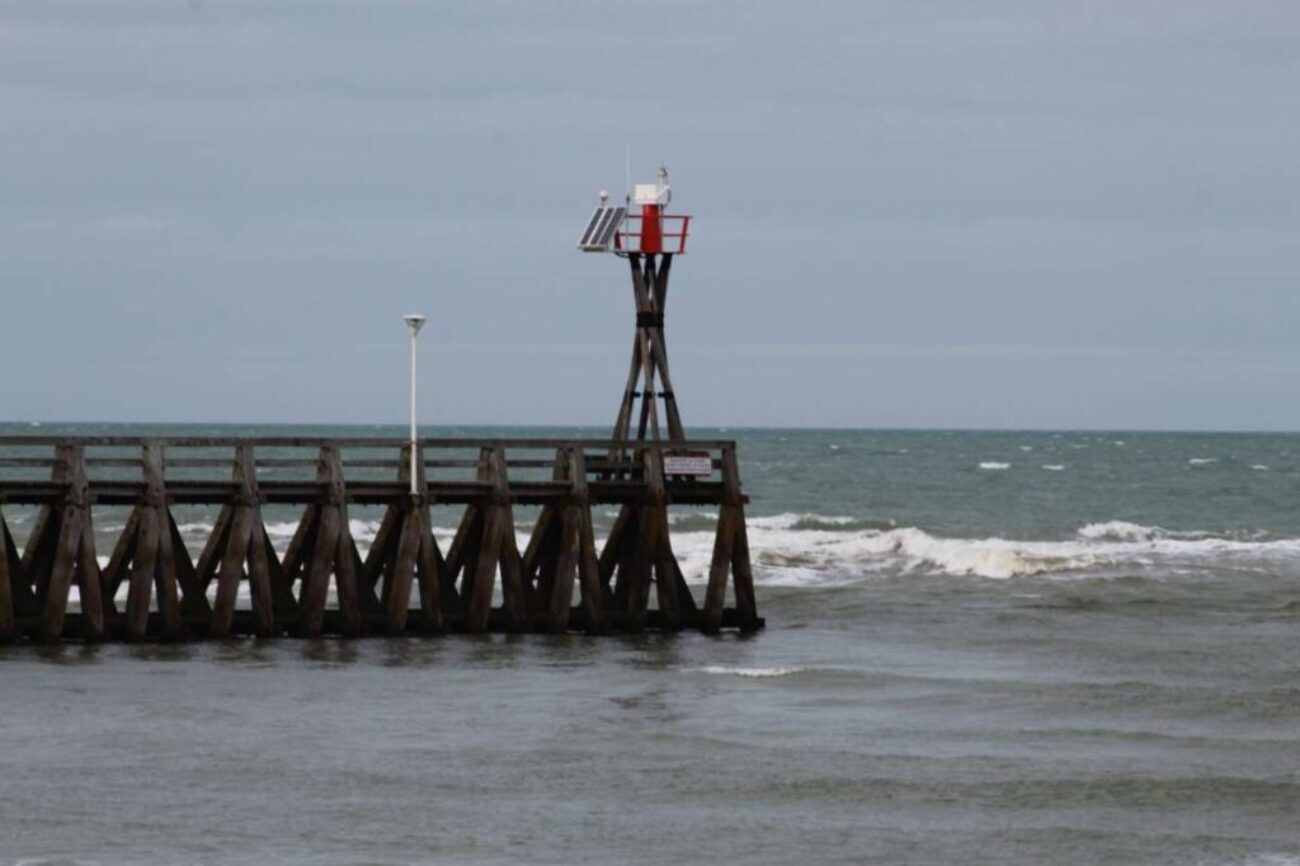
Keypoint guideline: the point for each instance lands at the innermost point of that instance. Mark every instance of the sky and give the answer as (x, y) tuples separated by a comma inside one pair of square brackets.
[(906, 214)]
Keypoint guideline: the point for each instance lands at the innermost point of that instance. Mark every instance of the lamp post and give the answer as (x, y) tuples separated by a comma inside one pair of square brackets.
[(415, 323)]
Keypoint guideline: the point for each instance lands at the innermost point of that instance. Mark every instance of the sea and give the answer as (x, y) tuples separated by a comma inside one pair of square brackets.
[(994, 647)]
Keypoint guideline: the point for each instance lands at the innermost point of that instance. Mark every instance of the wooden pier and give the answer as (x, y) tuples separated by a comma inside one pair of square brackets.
[(321, 584)]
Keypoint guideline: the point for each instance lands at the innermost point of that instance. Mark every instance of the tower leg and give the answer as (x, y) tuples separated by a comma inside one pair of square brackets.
[(649, 355)]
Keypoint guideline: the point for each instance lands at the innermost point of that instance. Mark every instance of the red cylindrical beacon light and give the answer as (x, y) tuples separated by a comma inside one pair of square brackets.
[(653, 198)]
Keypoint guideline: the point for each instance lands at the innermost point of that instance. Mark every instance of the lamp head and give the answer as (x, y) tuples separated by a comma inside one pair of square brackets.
[(415, 322)]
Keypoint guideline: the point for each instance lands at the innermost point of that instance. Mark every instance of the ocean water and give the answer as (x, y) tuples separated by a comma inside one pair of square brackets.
[(982, 647)]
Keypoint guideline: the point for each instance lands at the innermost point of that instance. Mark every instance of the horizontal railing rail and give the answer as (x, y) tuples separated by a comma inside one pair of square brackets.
[(199, 469)]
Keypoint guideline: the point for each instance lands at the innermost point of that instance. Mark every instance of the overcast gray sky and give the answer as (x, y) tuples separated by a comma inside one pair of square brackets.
[(1010, 214)]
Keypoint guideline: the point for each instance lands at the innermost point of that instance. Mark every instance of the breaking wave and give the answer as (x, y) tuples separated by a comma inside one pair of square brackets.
[(788, 554), (1122, 530)]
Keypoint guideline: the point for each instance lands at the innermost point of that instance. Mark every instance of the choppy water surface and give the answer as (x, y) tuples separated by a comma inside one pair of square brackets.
[(981, 648)]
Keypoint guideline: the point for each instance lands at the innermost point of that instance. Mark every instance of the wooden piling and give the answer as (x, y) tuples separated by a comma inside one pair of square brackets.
[(10, 584)]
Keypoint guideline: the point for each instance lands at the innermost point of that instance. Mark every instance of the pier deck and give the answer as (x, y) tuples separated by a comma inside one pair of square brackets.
[(321, 584)]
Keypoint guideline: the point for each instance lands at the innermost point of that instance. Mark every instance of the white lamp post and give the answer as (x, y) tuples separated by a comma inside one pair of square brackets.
[(415, 323)]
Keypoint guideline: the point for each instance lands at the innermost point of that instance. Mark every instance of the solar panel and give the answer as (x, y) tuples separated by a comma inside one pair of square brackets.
[(600, 229)]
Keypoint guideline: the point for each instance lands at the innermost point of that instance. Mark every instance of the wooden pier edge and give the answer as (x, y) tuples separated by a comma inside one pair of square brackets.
[(405, 584)]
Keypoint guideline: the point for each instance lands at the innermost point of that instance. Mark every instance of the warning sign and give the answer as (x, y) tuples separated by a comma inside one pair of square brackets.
[(696, 465)]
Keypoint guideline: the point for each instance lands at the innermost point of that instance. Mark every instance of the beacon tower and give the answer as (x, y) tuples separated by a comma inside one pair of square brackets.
[(642, 232)]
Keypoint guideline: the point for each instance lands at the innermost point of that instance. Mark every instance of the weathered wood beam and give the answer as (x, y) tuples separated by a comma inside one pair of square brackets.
[(302, 543), (196, 613), (649, 422), (231, 572), (114, 573), (167, 580), (409, 554), (462, 560), (8, 614), (612, 551), (334, 553), (382, 550), (142, 570), (484, 570), (514, 593), (261, 588), (210, 557), (242, 553), (622, 425), (73, 556), (347, 581), (730, 553), (742, 572), (315, 585), (285, 606), (429, 565), (593, 589), (55, 601), (397, 600), (556, 586), (541, 556)]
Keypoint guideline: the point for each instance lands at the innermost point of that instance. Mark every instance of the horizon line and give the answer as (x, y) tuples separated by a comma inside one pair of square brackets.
[(711, 427)]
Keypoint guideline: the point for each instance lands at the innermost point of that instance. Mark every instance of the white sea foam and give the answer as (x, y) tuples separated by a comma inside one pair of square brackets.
[(1202, 461), (281, 531), (1026, 447), (990, 464), (363, 531), (806, 520), (1259, 467), (1120, 530), (689, 516), (751, 673), (1054, 467)]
